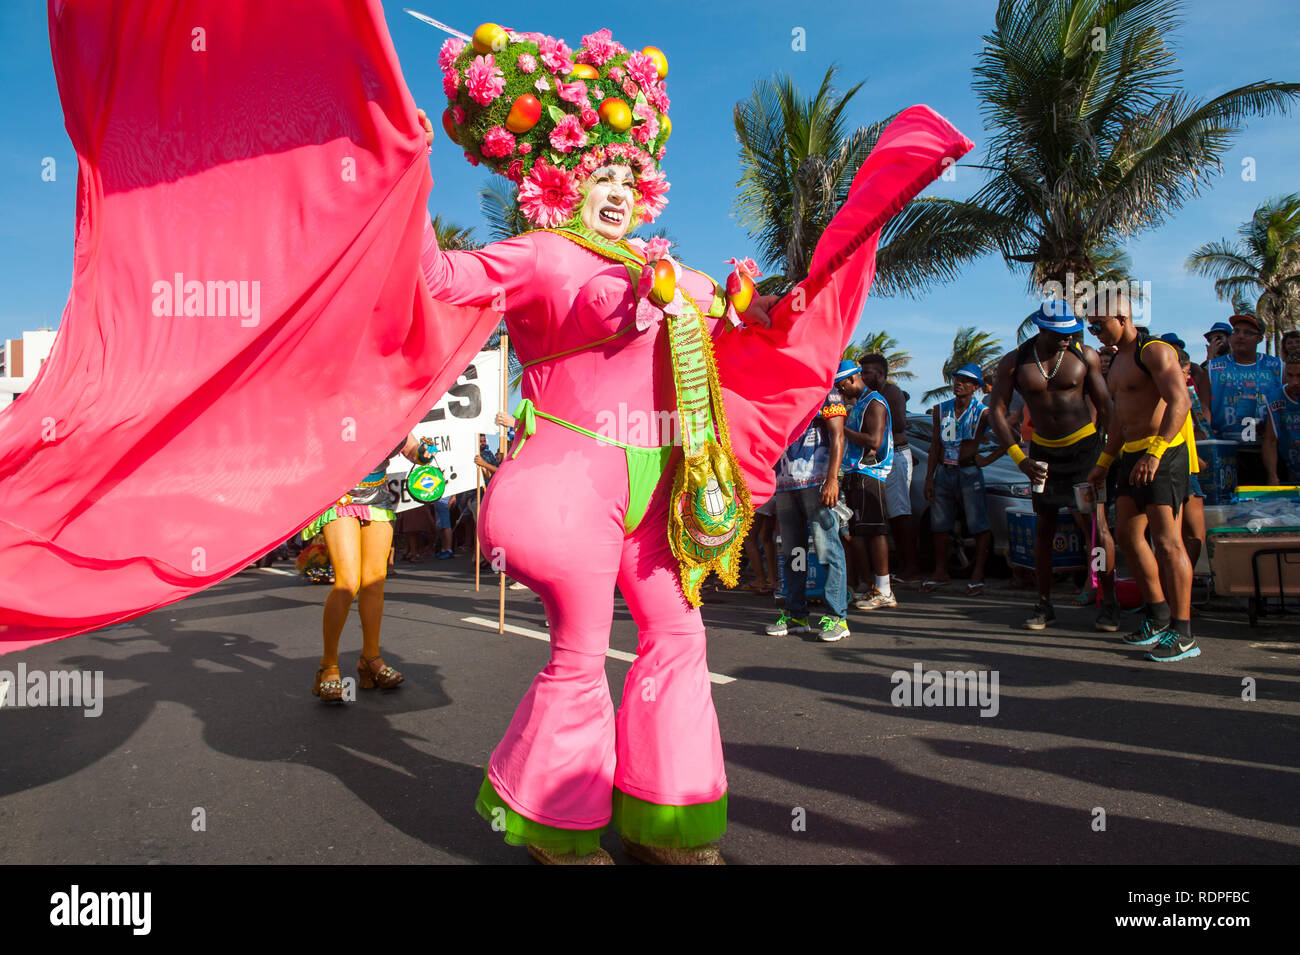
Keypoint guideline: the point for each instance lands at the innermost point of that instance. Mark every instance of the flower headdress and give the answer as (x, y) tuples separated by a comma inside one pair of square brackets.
[(547, 117)]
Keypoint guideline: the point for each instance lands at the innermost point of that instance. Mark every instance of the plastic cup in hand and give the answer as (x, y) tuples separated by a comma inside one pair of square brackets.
[(1040, 481)]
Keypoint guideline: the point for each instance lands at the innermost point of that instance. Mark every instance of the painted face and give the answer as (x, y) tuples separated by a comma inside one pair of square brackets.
[(611, 194)]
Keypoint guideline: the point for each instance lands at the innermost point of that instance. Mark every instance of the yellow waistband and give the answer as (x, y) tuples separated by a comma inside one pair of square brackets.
[(1141, 444), (1068, 440)]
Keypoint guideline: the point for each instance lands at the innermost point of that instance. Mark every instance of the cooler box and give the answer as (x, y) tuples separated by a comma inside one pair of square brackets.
[(1218, 475), (1069, 549), (1231, 550)]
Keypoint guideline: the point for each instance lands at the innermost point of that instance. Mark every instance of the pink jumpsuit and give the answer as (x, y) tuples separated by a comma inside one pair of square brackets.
[(557, 510)]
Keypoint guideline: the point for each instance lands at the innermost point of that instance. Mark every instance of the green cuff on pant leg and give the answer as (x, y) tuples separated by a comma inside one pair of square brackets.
[(674, 827), (522, 831)]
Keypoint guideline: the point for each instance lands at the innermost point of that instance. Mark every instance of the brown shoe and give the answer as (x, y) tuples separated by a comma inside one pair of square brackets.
[(551, 857), (329, 691), (663, 855), (383, 676)]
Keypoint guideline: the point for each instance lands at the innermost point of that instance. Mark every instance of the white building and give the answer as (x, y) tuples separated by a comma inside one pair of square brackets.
[(21, 359)]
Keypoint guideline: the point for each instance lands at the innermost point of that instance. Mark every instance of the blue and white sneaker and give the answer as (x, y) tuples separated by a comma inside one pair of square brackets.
[(1173, 647), (1144, 636)]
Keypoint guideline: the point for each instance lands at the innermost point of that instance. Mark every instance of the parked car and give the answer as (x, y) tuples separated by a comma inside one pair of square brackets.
[(1005, 486)]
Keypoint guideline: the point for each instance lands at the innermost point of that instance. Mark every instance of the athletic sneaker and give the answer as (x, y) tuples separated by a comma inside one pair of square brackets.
[(444, 555), (1173, 647), (874, 599), (1144, 635), (832, 629), (1041, 618), (787, 624), (1108, 619)]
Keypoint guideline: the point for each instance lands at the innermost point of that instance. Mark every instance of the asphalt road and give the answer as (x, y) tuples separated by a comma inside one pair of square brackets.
[(207, 707)]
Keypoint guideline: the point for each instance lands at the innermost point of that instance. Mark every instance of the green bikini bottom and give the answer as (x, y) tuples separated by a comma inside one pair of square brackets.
[(645, 466)]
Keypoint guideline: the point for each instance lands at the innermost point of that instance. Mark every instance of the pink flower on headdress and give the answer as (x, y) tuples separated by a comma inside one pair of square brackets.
[(629, 88), (589, 117), (527, 63), (568, 135), (746, 266), (643, 70), (575, 93), (653, 187), (548, 195), (648, 116), (660, 153), (451, 83), (657, 248), (515, 172), (525, 147), (484, 80), (457, 115), (498, 142), (451, 48), (657, 97), (641, 133), (599, 47), (557, 57), (616, 74), (471, 158)]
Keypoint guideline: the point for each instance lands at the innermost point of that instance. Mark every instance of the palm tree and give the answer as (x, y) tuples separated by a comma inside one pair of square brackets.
[(1092, 140), (969, 346), (1112, 265), (882, 343), (1264, 264), (498, 200), (452, 237), (798, 159)]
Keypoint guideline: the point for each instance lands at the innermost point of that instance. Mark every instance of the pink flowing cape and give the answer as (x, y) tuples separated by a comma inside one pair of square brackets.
[(775, 379), (247, 331)]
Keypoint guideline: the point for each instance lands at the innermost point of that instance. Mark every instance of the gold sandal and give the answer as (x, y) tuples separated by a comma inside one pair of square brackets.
[(385, 677), (329, 691), (662, 855)]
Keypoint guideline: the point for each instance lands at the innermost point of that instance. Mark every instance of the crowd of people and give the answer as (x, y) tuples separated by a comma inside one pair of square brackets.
[(1088, 427)]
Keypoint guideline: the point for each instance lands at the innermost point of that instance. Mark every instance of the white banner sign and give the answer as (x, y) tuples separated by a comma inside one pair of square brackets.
[(468, 409)]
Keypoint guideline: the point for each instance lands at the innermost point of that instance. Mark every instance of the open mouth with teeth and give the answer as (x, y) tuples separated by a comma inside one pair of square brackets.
[(614, 215)]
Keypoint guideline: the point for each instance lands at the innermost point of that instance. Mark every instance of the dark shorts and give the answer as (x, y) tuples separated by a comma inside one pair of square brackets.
[(866, 497), (1066, 467), (1169, 486)]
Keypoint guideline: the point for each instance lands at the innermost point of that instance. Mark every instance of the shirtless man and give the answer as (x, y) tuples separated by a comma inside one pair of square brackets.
[(1057, 378), (1150, 424)]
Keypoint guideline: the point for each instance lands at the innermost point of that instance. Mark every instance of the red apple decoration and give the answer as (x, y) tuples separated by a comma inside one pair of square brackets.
[(524, 113), (449, 126)]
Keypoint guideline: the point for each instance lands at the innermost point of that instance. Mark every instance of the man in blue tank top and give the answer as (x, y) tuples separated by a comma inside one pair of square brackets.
[(1242, 384), (1282, 431), (954, 479), (869, 435)]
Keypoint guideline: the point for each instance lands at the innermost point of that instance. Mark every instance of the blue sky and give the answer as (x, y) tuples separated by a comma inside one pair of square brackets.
[(919, 52)]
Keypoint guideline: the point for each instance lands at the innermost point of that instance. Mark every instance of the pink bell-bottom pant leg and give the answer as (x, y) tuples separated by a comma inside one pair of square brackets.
[(557, 513)]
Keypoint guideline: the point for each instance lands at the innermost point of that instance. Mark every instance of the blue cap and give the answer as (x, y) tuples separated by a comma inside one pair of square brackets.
[(1055, 315), (970, 371), (1218, 327), (847, 369), (1174, 340)]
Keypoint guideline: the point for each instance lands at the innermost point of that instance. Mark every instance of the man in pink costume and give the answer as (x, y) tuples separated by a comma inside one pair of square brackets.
[(568, 509)]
